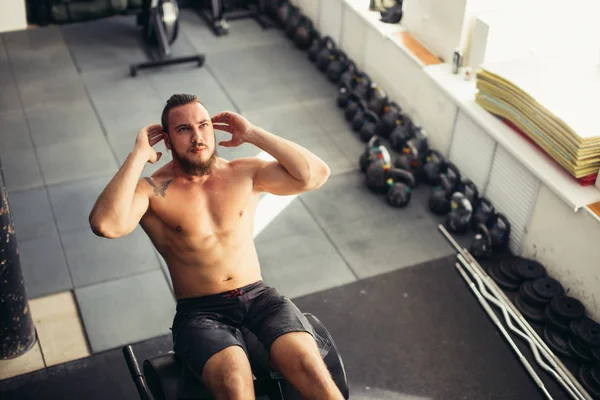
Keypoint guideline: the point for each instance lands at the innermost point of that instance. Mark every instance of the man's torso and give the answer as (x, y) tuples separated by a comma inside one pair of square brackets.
[(204, 231)]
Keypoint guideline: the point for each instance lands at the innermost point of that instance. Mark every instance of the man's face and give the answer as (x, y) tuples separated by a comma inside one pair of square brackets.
[(192, 138)]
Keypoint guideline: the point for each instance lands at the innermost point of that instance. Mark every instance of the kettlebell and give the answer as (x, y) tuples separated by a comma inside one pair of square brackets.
[(370, 153), (359, 117), (500, 232), (471, 192), (323, 58), (316, 46), (377, 99), (271, 7), (484, 213), (417, 148), (284, 11), (337, 66), (481, 246), (305, 33), (292, 23), (362, 85), (345, 84), (387, 123), (370, 123), (376, 174), (401, 133), (434, 165), (400, 184), (439, 202), (354, 104), (459, 217)]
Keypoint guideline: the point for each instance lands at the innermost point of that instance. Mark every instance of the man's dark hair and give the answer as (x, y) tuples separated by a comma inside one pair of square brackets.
[(175, 100)]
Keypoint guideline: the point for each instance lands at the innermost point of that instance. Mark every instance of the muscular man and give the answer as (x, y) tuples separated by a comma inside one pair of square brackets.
[(198, 211)]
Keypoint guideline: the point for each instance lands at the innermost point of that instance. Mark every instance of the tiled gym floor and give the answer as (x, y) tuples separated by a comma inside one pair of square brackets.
[(381, 279)]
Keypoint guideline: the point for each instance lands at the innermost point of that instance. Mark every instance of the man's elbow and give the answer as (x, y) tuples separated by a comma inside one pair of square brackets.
[(319, 177), (104, 230)]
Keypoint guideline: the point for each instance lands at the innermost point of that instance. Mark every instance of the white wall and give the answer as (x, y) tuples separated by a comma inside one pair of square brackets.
[(13, 15), (568, 244)]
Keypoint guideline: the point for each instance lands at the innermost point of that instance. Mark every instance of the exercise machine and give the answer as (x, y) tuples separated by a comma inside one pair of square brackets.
[(160, 376), (159, 20), (217, 14)]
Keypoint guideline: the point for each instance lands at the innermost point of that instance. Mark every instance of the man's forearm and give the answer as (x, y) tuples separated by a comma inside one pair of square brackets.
[(298, 161), (114, 203)]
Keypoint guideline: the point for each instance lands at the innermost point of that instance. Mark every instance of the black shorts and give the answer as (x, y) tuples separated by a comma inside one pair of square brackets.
[(206, 325)]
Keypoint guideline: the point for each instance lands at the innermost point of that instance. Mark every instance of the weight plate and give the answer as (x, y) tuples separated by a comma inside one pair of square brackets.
[(557, 342), (555, 322), (567, 308), (585, 372), (531, 297), (531, 313), (528, 269), (548, 288), (499, 278), (579, 350), (507, 269), (588, 331)]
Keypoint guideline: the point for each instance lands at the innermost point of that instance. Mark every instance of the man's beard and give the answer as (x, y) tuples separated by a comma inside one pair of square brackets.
[(196, 168)]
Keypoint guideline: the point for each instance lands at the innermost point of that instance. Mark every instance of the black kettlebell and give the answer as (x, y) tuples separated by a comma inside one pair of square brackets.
[(359, 117), (500, 232), (388, 121), (471, 192), (378, 99), (370, 153), (401, 133), (370, 123), (434, 165), (323, 58), (439, 202), (481, 246), (284, 11), (459, 216), (346, 84), (484, 213), (376, 174), (354, 104), (305, 33), (400, 183), (292, 23), (337, 66), (417, 148), (315, 47), (271, 7)]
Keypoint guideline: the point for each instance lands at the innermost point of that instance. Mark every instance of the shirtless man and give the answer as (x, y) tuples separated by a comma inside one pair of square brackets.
[(198, 211)]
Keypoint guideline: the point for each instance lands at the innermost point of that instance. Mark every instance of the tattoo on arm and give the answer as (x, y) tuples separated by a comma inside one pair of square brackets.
[(159, 190)]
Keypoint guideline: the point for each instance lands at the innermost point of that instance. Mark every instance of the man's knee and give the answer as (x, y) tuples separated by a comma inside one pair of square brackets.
[(228, 374)]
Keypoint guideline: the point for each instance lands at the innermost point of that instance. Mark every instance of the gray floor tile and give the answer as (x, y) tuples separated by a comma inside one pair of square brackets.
[(14, 133), (192, 80), (126, 310), (73, 202), (21, 170), (349, 143), (105, 43), (283, 58), (242, 34), (235, 67), (34, 39), (41, 64), (328, 151), (63, 123), (288, 121), (258, 92), (31, 214), (9, 94), (302, 264), (59, 89), (373, 246), (93, 259), (295, 219), (44, 266), (346, 198), (327, 114), (81, 159), (307, 83)]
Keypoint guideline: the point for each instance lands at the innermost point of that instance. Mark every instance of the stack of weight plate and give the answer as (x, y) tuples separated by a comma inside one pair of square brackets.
[(511, 272), (535, 295)]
